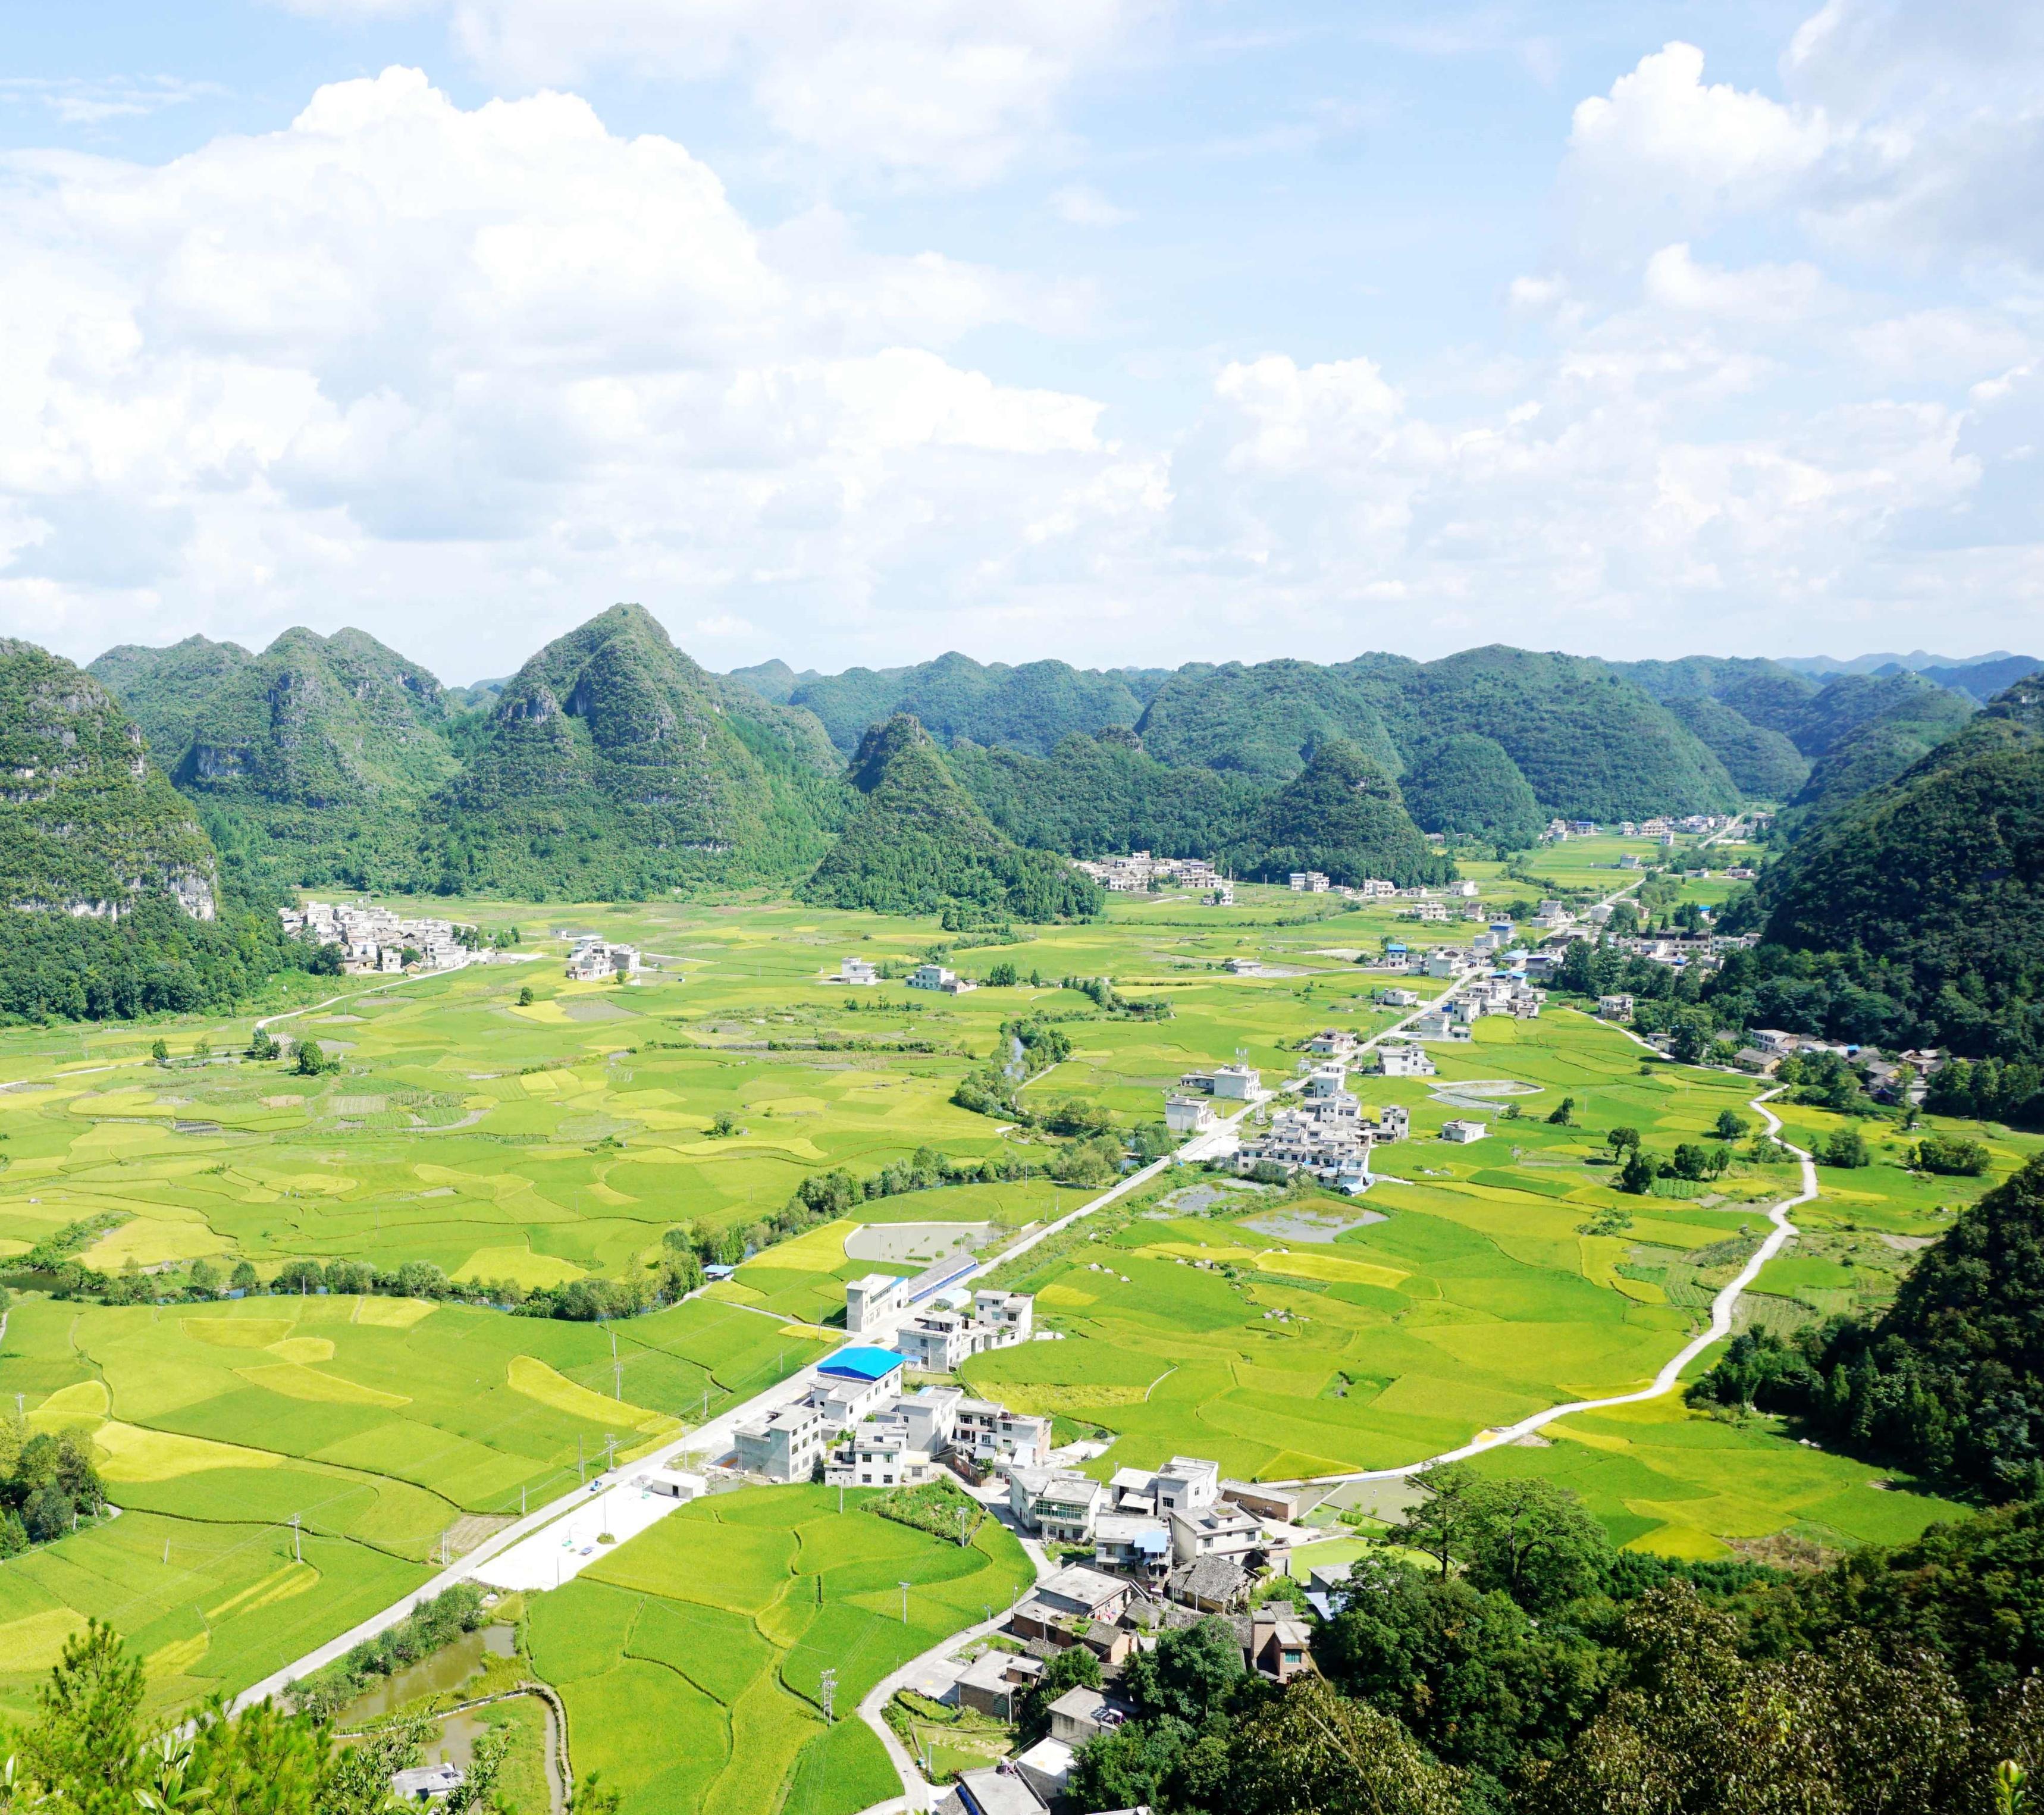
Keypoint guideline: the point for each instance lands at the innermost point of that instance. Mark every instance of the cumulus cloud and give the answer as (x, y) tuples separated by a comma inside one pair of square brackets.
[(1084, 205), (1676, 280), (942, 91), (401, 344)]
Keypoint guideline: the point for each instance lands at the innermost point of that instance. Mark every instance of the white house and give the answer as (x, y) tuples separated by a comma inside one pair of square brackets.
[(1187, 1115), (1405, 1062), (859, 972), (936, 977), (1464, 1132)]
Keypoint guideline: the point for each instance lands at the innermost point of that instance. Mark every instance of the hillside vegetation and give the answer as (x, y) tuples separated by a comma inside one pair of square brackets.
[(308, 764), (87, 825), (1029, 708), (1343, 817), (1466, 784), (614, 766), (1096, 794), (916, 844), (1930, 887), (1589, 742)]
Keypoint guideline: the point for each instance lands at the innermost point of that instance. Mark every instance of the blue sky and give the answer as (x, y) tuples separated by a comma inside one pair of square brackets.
[(1119, 330)]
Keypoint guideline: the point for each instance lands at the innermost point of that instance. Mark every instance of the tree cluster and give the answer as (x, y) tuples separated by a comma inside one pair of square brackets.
[(1948, 1381)]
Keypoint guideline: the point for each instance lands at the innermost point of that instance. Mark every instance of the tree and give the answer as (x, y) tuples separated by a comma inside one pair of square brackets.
[(1845, 1147), (1190, 1672), (1730, 1125), (205, 1279), (159, 1050), (525, 997), (1641, 1169), (311, 1061), (1621, 1141), (82, 1746), (1310, 1748), (1000, 977), (1564, 1115), (1690, 1160), (47, 1514), (1436, 1526), (261, 1044), (1691, 1034), (722, 1124), (1533, 1541), (1074, 1667), (243, 1278), (1952, 1156)]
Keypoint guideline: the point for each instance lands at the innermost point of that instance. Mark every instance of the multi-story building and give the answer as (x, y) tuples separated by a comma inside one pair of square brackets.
[(786, 1445), (860, 973), (936, 977), (597, 959), (1061, 1504)]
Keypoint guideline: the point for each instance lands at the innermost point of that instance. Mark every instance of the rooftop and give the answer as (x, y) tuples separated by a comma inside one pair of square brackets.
[(864, 1363)]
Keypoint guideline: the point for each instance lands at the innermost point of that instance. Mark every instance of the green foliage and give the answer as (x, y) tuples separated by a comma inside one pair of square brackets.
[(1466, 784), (1096, 794), (86, 826), (1342, 815), (1951, 1155), (1074, 1667), (615, 768), (1864, 731), (940, 1507), (1931, 890), (309, 763), (916, 843), (430, 1625), (1588, 741), (1944, 1382), (1845, 1147), (1030, 709)]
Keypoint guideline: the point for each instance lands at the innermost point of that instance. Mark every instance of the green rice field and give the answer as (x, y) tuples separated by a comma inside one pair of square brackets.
[(691, 1659), (540, 1142)]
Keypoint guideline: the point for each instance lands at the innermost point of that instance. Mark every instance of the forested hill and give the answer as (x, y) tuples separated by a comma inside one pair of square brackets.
[(1863, 730), (613, 765), (917, 844), (1029, 708), (309, 762), (1343, 816), (86, 826), (1930, 889), (111, 902)]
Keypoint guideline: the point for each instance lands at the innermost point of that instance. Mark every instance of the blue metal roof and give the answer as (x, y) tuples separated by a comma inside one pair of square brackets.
[(867, 1364)]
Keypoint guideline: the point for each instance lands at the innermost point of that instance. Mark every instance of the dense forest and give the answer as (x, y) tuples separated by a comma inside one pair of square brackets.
[(1925, 895), (1947, 1382), (1531, 1669), (1343, 816), (916, 844)]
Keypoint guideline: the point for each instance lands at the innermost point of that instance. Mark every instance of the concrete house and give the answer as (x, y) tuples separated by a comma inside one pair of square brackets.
[(1405, 1062), (786, 1445), (1464, 1132), (867, 1301)]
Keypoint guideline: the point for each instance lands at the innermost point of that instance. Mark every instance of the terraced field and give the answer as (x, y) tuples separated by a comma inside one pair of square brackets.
[(689, 1661)]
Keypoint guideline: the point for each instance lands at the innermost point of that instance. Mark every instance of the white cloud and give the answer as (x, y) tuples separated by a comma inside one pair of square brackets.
[(77, 102), (1761, 293), (1084, 205), (1662, 136), (947, 92), (402, 351)]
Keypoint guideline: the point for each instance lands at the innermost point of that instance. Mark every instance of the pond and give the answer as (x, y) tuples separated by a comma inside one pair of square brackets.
[(447, 1668)]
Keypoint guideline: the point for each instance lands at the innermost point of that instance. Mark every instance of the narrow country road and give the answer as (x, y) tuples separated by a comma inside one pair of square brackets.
[(1666, 1380)]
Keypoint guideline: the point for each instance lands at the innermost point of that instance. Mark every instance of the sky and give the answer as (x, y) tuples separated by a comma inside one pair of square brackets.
[(1121, 331)]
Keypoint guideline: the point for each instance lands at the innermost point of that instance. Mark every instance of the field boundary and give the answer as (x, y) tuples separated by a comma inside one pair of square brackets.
[(1671, 1372)]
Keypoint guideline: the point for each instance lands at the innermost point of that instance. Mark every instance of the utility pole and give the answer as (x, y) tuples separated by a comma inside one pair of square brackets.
[(904, 1603), (610, 1446), (827, 1693), (521, 1502), (616, 1369), (298, 1552)]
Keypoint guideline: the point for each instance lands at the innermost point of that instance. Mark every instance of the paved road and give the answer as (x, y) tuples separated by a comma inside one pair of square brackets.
[(1664, 1381), (712, 1439)]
